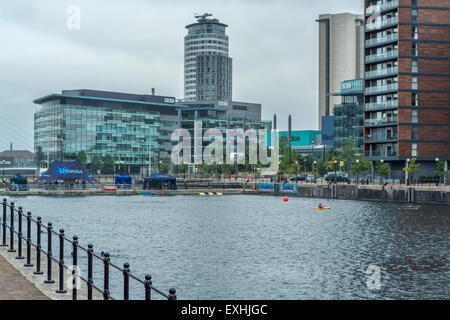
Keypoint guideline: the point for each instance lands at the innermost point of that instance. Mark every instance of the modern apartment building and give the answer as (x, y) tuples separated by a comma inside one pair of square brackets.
[(341, 56), (407, 82), (207, 66)]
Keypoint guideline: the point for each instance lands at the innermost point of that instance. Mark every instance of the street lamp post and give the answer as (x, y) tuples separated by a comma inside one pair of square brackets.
[(335, 171), (437, 163), (382, 177), (314, 171), (3, 162), (304, 165), (407, 173), (357, 171)]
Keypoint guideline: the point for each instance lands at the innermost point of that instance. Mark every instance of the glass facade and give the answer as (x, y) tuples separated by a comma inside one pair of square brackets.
[(349, 115), (63, 130)]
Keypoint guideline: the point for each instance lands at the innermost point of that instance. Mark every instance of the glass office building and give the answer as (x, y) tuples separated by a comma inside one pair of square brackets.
[(349, 114), (105, 123)]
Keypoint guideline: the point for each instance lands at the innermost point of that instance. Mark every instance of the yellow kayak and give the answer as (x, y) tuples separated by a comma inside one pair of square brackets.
[(323, 208)]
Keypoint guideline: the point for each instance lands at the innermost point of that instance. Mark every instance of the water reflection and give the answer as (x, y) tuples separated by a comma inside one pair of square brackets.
[(257, 247)]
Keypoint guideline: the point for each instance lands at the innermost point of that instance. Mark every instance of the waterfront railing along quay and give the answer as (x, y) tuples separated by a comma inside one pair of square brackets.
[(17, 237)]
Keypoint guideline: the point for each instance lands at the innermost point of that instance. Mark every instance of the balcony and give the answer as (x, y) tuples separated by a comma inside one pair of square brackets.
[(383, 121), (381, 105), (381, 7), (381, 56), (382, 72), (380, 154), (381, 24), (381, 40), (387, 87), (380, 137)]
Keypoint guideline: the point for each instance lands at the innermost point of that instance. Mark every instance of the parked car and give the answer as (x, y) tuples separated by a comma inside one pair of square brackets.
[(300, 177), (310, 178), (340, 177)]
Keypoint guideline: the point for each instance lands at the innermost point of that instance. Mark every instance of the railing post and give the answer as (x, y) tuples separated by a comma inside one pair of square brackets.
[(61, 262), (11, 229), (19, 245), (148, 286), (126, 281), (38, 247), (90, 280), (5, 202), (49, 254), (28, 264), (74, 267), (106, 277), (172, 294)]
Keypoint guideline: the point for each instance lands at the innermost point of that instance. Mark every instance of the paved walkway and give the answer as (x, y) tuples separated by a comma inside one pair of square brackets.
[(13, 285)]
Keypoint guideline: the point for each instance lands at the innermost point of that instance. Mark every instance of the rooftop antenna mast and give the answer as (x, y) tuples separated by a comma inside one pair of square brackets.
[(202, 17)]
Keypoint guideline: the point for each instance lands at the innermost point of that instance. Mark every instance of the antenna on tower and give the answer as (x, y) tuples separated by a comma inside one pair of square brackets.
[(202, 17)]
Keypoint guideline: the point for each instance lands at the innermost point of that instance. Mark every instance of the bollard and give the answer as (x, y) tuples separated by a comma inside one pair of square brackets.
[(49, 254), (106, 277), (61, 262), (11, 230), (75, 267), (148, 285), (5, 202), (172, 294), (28, 264), (38, 247), (90, 281), (126, 281), (19, 243)]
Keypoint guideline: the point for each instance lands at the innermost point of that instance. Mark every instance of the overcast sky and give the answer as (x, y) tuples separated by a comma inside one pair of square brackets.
[(134, 45)]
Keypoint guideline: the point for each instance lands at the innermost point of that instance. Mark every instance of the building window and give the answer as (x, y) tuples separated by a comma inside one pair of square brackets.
[(414, 13), (415, 49), (414, 132), (414, 150), (415, 65), (414, 33), (414, 116), (414, 85), (414, 100)]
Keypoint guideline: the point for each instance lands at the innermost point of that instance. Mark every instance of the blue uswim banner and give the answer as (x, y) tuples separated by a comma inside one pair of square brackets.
[(288, 188), (266, 188)]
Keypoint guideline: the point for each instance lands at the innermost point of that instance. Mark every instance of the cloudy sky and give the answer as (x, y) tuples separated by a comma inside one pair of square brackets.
[(134, 45)]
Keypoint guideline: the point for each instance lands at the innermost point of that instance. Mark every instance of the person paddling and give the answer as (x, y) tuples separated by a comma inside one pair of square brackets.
[(320, 206)]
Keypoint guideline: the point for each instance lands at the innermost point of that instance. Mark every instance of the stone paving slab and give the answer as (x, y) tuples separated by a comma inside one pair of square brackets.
[(14, 286), (38, 280)]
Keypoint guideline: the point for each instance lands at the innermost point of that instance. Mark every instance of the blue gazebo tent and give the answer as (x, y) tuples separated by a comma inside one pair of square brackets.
[(123, 180), (66, 171), (158, 181)]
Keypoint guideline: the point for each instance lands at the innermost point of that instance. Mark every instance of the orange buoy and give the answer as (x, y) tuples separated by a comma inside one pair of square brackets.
[(286, 199)]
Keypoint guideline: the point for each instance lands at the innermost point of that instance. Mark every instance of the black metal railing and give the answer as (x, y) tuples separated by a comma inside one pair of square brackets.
[(104, 257)]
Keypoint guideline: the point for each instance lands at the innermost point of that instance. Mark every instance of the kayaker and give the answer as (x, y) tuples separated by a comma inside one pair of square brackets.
[(320, 206)]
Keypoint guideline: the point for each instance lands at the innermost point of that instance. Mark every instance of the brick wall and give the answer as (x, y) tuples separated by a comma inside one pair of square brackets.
[(434, 16), (434, 83), (433, 66), (434, 133), (434, 150), (434, 49), (434, 99), (430, 3), (434, 115)]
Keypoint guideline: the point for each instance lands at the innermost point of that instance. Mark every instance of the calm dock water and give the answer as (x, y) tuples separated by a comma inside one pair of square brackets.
[(257, 247)]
